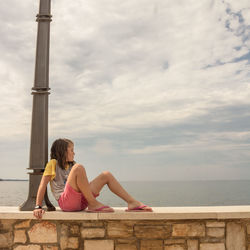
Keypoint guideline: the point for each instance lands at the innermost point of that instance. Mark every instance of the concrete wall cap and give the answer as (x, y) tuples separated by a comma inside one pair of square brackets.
[(160, 213)]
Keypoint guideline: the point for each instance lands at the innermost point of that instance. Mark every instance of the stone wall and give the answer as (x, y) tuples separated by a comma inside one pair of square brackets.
[(198, 234)]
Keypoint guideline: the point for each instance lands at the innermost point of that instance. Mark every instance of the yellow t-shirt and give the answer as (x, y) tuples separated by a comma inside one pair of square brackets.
[(50, 169), (58, 177)]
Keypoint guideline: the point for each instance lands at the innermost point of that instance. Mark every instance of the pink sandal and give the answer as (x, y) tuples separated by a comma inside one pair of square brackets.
[(139, 209), (100, 210)]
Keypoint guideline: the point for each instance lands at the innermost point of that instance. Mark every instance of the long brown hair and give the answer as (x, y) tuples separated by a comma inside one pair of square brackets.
[(58, 151)]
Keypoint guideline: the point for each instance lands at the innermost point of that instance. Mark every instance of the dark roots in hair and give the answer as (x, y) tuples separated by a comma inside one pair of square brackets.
[(59, 151)]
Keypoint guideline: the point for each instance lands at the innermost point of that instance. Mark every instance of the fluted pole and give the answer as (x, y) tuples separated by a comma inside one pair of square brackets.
[(40, 92)]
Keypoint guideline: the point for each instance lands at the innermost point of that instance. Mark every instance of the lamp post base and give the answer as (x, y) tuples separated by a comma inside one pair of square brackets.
[(30, 203)]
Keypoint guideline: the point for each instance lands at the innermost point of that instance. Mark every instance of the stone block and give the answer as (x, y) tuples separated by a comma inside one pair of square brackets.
[(6, 240), (28, 247), (64, 230), (98, 244), (69, 242), (174, 247), (216, 232), (192, 244), (152, 231), (152, 222), (43, 232), (151, 244), (215, 224), (126, 241), (23, 224), (92, 224), (7, 225), (189, 229), (174, 241), (20, 236), (248, 229), (213, 246), (74, 229), (50, 247), (120, 229), (125, 247), (92, 233), (235, 238)]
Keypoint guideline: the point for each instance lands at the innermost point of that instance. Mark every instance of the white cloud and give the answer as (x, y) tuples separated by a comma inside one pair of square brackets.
[(103, 147), (114, 76), (118, 66), (246, 15), (238, 5), (197, 146)]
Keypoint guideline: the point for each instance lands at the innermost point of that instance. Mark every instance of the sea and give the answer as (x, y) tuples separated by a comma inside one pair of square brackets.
[(152, 193)]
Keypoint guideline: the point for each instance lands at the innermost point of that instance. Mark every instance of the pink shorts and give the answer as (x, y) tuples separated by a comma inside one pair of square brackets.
[(71, 200)]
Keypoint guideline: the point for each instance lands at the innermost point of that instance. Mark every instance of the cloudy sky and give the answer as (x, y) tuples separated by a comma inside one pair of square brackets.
[(148, 89)]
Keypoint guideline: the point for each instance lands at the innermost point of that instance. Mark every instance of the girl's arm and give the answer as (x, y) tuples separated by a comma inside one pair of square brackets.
[(40, 195)]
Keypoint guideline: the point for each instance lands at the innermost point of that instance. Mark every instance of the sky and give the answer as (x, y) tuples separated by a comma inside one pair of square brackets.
[(147, 89)]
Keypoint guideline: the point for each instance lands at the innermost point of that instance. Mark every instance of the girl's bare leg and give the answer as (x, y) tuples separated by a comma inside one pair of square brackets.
[(107, 178), (78, 180)]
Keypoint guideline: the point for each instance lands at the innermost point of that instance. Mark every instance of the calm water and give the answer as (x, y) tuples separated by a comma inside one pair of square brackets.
[(157, 194)]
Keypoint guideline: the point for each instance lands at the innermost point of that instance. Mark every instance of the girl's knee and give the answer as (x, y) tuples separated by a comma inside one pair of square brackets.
[(106, 174), (78, 168)]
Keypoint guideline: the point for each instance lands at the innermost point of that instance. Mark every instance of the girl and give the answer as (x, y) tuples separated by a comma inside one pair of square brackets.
[(70, 185)]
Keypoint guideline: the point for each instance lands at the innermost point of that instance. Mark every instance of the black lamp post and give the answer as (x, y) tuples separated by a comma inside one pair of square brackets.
[(40, 92)]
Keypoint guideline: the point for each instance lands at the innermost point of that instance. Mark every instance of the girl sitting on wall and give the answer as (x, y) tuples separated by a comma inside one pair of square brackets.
[(71, 188)]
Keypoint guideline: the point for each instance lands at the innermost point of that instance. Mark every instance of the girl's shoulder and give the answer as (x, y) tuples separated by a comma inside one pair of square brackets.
[(52, 163), (50, 168)]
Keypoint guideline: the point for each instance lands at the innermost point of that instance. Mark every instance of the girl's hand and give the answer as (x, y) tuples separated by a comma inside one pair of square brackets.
[(38, 213)]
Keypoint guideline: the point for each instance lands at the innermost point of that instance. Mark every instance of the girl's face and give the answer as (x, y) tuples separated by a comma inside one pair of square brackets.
[(70, 153)]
